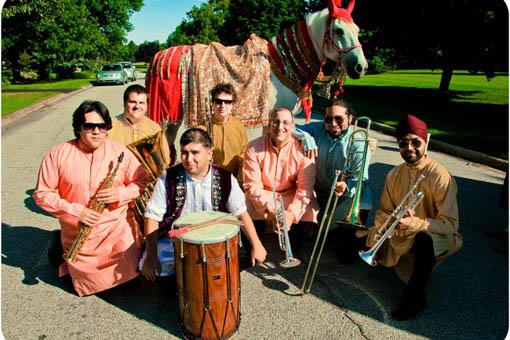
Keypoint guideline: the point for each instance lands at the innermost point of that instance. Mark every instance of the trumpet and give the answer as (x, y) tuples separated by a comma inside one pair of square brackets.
[(283, 237), (353, 217), (397, 214)]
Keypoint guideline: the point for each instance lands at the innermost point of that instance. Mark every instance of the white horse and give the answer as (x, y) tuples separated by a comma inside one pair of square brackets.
[(299, 51)]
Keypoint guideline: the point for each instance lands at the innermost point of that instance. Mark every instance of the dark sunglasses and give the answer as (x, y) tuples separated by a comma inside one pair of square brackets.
[(90, 127), (222, 101), (415, 142), (338, 119)]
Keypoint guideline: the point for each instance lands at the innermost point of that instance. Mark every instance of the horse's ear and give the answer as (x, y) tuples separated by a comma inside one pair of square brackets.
[(336, 11)]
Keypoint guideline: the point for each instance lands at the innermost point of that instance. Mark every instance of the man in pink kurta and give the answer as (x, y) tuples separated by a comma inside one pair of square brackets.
[(277, 159), (70, 175)]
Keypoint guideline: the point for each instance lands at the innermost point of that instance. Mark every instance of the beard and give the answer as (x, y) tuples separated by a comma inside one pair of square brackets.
[(412, 157)]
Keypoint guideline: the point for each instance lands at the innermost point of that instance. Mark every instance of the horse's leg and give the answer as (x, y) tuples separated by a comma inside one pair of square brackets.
[(171, 131)]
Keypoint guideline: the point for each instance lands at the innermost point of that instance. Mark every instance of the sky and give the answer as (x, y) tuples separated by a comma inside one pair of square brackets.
[(158, 18)]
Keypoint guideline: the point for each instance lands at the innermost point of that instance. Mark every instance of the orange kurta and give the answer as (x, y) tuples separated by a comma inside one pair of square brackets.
[(68, 178), (292, 173)]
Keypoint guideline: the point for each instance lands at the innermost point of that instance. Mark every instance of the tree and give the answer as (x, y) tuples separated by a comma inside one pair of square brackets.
[(201, 25), (265, 18), (453, 34), (60, 31), (147, 50)]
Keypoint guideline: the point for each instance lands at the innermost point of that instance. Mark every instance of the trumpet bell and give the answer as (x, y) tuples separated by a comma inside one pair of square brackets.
[(290, 262), (368, 257)]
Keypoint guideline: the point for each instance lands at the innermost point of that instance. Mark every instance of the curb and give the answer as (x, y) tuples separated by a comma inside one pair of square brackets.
[(470, 155), (18, 114)]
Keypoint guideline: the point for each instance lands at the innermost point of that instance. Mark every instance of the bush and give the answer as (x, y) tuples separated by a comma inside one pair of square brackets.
[(6, 78), (79, 75), (377, 66), (64, 71)]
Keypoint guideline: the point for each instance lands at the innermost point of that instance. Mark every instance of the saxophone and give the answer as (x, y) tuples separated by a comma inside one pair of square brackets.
[(95, 205)]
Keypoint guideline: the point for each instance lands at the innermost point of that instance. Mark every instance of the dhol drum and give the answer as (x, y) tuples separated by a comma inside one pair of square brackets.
[(208, 280)]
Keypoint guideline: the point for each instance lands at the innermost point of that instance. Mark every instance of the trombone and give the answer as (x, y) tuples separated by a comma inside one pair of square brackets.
[(353, 217), (321, 237), (397, 214), (329, 210), (283, 237)]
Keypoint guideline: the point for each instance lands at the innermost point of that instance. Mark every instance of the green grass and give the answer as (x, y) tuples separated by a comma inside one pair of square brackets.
[(52, 84), (141, 67), (473, 115), (13, 101)]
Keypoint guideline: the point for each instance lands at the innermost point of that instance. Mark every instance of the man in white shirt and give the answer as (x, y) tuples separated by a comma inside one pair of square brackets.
[(193, 185)]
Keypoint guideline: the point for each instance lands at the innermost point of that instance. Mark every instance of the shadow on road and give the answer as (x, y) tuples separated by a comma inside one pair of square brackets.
[(155, 303), (467, 294)]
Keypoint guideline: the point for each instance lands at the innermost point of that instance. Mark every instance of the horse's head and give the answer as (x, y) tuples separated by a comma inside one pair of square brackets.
[(341, 39)]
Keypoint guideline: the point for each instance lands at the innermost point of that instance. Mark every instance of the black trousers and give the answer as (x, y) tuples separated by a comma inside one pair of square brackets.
[(423, 251)]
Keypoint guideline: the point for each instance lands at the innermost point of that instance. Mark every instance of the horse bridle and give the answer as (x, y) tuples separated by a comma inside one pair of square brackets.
[(327, 38)]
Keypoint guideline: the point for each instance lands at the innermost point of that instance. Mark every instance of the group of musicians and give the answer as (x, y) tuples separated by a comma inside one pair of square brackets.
[(222, 171)]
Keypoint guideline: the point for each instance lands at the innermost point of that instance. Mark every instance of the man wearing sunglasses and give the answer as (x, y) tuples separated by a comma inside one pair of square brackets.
[(332, 139), (70, 176), (426, 234), (228, 133)]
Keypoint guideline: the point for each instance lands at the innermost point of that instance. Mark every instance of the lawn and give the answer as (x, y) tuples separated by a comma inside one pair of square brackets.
[(13, 101), (473, 115), (52, 84)]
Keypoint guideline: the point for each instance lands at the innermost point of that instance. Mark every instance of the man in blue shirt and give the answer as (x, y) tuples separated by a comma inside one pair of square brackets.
[(332, 138)]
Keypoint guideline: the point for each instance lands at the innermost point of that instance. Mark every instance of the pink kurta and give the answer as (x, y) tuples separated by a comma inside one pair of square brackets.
[(68, 178), (292, 173)]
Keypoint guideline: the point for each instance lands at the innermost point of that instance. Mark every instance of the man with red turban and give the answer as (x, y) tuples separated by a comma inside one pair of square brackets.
[(425, 235)]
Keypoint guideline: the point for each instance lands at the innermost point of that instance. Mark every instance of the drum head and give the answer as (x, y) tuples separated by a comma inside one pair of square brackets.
[(207, 235)]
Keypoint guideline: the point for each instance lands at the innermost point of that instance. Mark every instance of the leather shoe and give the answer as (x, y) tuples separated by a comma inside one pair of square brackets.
[(410, 308)]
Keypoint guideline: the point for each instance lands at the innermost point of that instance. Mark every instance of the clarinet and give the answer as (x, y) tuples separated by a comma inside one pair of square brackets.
[(95, 205)]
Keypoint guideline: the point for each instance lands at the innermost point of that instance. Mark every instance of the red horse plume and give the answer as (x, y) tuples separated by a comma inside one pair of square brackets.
[(336, 11)]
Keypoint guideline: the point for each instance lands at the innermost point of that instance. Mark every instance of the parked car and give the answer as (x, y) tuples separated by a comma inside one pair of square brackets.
[(112, 73), (130, 69)]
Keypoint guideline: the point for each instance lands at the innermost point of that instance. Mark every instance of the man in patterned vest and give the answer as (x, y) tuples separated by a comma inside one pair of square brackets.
[(194, 185)]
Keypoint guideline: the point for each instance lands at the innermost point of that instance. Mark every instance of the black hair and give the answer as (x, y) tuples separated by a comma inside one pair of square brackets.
[(86, 107), (196, 135), (344, 104), (133, 88), (224, 87)]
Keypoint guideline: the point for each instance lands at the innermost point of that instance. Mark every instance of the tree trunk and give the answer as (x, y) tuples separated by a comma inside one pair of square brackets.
[(446, 78)]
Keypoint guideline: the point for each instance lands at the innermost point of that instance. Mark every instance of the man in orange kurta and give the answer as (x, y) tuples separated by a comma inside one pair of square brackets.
[(70, 175), (277, 159)]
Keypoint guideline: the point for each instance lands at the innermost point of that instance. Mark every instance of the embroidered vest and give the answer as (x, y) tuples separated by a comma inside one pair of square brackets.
[(175, 184)]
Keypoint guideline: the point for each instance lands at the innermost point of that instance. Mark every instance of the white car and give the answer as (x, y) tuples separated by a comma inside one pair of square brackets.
[(130, 69)]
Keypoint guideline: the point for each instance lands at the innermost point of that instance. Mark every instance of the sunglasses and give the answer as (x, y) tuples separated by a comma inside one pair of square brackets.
[(91, 127), (222, 101), (415, 142), (338, 119)]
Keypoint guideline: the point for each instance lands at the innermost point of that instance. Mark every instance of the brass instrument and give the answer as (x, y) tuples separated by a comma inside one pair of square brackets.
[(329, 211), (94, 205), (149, 153), (321, 236), (352, 217), (283, 237), (397, 214)]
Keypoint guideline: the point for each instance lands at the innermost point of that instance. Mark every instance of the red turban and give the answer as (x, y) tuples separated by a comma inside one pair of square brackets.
[(411, 124)]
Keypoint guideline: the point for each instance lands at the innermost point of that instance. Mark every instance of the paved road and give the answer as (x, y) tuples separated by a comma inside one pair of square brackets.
[(468, 294)]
